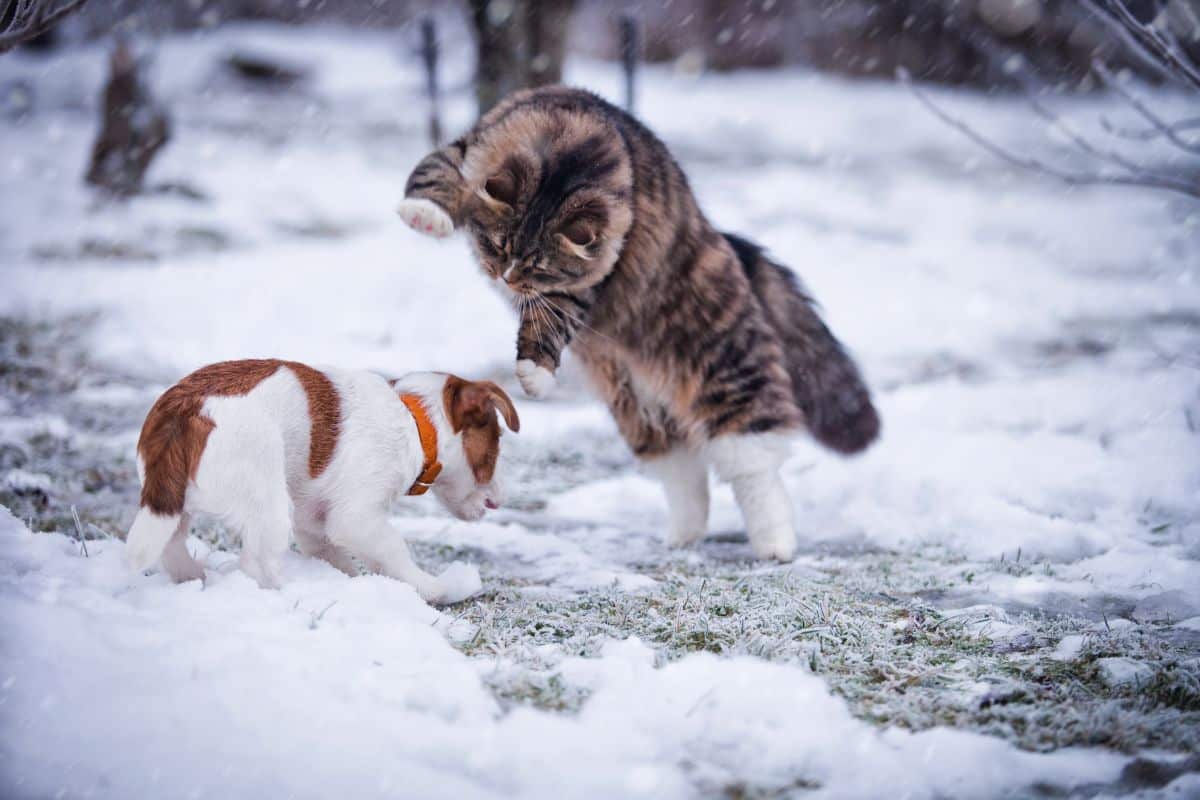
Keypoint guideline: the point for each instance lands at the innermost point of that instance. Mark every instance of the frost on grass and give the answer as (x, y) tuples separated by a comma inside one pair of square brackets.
[(65, 429), (895, 659)]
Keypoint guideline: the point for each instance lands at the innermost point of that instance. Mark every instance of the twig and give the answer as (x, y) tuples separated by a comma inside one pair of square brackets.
[(1146, 134), (1144, 40), (100, 530), (315, 618), (32, 18), (79, 532), (1158, 122), (1081, 143), (1164, 44), (1036, 165)]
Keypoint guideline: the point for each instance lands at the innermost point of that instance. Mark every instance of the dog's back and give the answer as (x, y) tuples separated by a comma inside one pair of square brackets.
[(278, 421)]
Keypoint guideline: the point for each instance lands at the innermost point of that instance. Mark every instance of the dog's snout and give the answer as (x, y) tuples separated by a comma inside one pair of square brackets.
[(492, 504)]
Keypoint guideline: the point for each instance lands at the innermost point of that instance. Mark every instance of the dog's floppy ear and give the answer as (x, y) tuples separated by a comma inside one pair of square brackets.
[(474, 403), (505, 405)]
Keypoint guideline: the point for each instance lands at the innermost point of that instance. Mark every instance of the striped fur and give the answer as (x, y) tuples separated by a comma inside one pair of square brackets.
[(688, 334)]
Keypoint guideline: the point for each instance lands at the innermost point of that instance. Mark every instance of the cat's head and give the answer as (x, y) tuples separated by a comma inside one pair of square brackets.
[(549, 200)]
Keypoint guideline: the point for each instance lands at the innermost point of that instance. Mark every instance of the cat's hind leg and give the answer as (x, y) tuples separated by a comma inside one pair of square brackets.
[(684, 475), (750, 463)]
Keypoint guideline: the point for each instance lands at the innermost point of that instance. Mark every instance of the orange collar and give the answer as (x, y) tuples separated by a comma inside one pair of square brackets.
[(432, 467)]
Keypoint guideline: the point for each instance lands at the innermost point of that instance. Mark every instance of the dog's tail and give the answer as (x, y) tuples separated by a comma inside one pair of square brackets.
[(169, 451), (148, 537), (825, 380)]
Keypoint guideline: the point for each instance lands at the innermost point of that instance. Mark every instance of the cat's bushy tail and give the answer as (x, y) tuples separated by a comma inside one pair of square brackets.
[(827, 385)]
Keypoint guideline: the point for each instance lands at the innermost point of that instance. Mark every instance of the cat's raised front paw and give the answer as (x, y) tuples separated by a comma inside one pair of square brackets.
[(537, 381), (425, 216)]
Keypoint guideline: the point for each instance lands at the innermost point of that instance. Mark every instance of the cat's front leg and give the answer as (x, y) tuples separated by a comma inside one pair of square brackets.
[(425, 216), (433, 196), (548, 323), (537, 381)]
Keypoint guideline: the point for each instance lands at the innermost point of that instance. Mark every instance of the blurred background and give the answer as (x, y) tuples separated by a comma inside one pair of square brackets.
[(497, 46), (970, 42)]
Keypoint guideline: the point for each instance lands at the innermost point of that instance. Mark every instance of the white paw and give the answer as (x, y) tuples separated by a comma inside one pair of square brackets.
[(425, 216), (458, 582), (537, 381), (264, 572), (777, 544), (684, 537)]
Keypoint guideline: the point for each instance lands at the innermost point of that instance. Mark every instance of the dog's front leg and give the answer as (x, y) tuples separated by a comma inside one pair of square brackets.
[(380, 545)]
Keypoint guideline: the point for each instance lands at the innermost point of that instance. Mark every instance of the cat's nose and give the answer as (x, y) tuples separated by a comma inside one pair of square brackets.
[(511, 271)]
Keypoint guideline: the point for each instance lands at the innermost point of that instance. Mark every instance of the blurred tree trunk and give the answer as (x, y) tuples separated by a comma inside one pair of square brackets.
[(496, 69), (520, 43), (546, 24), (132, 129)]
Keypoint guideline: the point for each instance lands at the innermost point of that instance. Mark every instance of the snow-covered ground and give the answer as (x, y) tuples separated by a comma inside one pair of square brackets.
[(1002, 597)]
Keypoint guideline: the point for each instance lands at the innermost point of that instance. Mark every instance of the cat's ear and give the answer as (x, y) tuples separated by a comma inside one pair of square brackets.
[(500, 190), (579, 233)]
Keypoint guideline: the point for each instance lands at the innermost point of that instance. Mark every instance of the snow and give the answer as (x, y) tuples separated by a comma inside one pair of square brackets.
[(232, 691), (1032, 505), (1120, 671), (1068, 648)]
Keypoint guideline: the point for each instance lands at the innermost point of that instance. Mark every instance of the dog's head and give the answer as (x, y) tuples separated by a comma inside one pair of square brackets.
[(465, 414)]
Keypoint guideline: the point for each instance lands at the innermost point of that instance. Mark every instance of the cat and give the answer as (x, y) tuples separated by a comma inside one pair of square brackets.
[(706, 351)]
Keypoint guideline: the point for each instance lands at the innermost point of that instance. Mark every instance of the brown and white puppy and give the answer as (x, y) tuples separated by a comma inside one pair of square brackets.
[(276, 447)]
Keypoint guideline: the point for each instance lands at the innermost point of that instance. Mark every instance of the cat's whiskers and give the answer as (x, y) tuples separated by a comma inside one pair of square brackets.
[(563, 313)]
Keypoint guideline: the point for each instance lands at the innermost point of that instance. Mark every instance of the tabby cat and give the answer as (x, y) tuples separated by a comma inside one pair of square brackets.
[(706, 351)]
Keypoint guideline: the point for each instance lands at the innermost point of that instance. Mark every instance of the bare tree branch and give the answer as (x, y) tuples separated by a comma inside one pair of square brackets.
[(29, 19), (1080, 142), (1159, 124), (1145, 40), (1134, 177), (1132, 43), (1147, 134)]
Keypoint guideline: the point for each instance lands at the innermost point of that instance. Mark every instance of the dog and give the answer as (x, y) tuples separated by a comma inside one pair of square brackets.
[(278, 448)]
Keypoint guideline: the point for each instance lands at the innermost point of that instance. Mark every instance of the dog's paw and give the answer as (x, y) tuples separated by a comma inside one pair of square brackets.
[(537, 381), (458, 582), (678, 537), (425, 216), (778, 544)]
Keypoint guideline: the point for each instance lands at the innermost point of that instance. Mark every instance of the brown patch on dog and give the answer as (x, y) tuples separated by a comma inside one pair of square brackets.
[(471, 407), (325, 411), (175, 432)]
